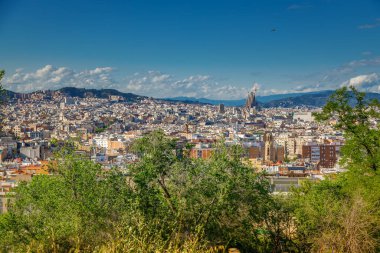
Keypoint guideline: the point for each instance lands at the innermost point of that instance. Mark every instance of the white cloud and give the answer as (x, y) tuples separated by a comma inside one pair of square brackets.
[(160, 85), (360, 80), (366, 82), (50, 77), (160, 78), (100, 70), (334, 78), (364, 62), (150, 83), (370, 82)]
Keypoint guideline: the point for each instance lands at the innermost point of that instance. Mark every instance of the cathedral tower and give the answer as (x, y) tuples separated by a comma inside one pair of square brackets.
[(268, 147)]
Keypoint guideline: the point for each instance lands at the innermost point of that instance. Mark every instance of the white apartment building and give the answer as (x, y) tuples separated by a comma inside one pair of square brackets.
[(101, 141)]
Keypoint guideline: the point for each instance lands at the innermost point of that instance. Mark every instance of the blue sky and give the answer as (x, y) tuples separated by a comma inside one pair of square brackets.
[(200, 48)]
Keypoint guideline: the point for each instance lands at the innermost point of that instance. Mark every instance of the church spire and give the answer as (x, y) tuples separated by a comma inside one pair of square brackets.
[(251, 99)]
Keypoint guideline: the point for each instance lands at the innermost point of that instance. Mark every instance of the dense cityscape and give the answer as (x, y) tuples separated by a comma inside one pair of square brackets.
[(283, 142)]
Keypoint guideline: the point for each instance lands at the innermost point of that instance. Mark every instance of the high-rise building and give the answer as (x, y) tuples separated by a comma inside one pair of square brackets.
[(221, 108)]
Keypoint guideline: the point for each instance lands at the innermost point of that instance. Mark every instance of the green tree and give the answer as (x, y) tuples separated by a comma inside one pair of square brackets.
[(78, 208), (341, 214), (357, 118), (220, 198), (331, 219), (167, 202)]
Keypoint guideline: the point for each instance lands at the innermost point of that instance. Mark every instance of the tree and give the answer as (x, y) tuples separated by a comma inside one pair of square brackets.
[(220, 198), (330, 219), (357, 118), (341, 214), (78, 208), (167, 202)]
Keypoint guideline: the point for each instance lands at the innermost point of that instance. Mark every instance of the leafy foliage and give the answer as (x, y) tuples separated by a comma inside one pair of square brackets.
[(220, 197), (77, 208), (167, 202), (361, 152), (342, 214), (359, 126)]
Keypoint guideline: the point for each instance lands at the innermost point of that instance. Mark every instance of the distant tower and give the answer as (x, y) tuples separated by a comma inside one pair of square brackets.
[(221, 109), (251, 102), (61, 117), (268, 147)]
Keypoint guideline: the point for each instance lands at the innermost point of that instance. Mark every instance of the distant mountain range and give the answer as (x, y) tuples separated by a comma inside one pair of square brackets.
[(101, 93), (240, 102), (310, 99), (84, 93)]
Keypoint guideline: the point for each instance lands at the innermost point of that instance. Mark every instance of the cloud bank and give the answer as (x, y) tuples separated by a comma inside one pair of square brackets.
[(157, 84), (50, 77), (370, 82), (162, 85), (150, 83)]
